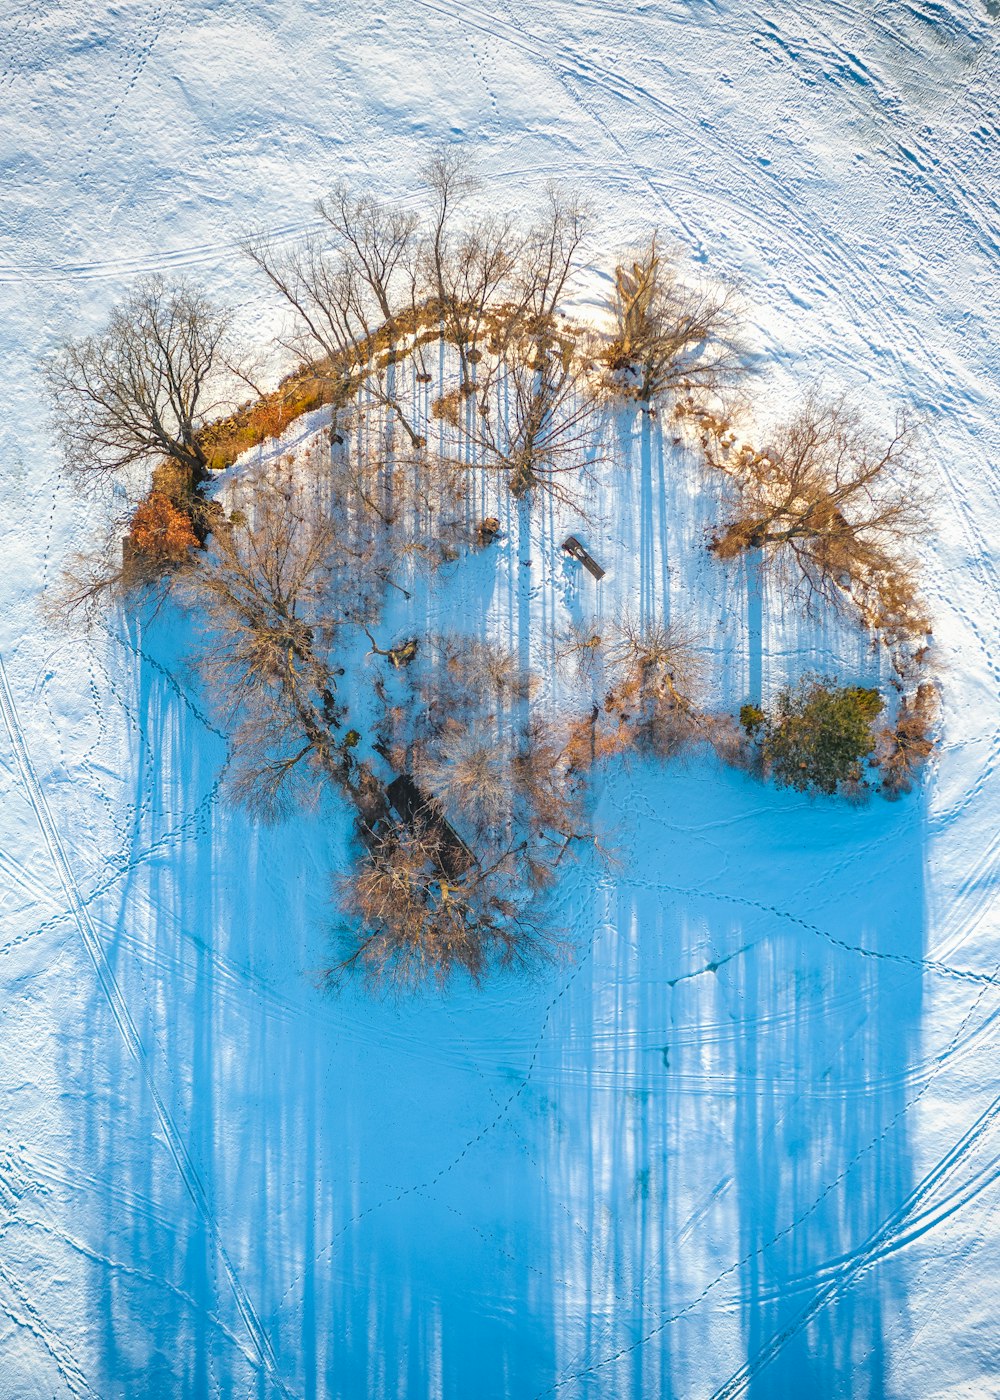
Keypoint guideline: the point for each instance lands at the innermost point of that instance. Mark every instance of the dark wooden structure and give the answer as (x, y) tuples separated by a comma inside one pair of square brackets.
[(575, 550), (425, 816)]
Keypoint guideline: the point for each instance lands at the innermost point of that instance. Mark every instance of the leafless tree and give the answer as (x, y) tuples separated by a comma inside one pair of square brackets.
[(449, 178), (284, 575), (535, 427), (548, 254), (378, 241), (419, 927), (337, 326), (656, 676), (467, 259), (458, 719), (143, 387), (838, 504), (651, 675), (670, 334), (466, 726)]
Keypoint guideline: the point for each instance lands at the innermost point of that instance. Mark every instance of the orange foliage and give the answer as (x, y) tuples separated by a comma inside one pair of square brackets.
[(159, 532), (588, 742)]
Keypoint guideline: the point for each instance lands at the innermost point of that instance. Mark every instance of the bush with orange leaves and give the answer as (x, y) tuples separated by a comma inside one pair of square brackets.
[(161, 535), (901, 752)]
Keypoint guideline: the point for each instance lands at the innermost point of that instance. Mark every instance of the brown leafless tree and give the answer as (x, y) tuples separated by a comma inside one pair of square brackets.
[(649, 678), (337, 328), (284, 575), (839, 505), (548, 254), (143, 387), (535, 428), (902, 750), (656, 675), (378, 241), (418, 927), (670, 334)]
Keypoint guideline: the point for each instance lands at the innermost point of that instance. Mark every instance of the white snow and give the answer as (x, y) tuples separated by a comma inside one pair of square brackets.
[(747, 1141)]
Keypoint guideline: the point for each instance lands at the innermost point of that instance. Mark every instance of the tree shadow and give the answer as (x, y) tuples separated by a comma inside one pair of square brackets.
[(733, 1086), (626, 1178)]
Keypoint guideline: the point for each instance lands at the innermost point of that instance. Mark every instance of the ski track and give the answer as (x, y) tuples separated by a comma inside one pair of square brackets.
[(95, 949), (837, 275)]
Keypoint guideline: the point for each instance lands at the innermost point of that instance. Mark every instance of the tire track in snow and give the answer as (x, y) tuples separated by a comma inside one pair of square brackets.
[(189, 1173)]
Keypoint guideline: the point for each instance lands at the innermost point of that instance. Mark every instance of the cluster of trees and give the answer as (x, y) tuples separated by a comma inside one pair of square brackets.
[(435, 334)]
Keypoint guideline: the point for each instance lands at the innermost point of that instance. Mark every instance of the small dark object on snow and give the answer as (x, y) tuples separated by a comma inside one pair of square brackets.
[(488, 531), (575, 549), (424, 378)]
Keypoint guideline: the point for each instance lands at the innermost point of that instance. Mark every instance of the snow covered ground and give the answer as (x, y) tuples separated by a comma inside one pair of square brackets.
[(749, 1140)]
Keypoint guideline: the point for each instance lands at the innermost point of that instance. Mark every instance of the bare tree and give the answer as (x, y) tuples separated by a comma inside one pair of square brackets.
[(535, 425), (902, 750), (548, 254), (465, 265), (378, 241), (449, 178), (458, 719), (284, 575), (337, 321), (670, 334), (465, 725), (418, 926), (840, 506), (144, 387), (651, 679), (656, 673)]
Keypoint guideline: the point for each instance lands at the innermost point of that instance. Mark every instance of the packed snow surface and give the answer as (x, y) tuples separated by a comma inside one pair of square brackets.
[(748, 1140)]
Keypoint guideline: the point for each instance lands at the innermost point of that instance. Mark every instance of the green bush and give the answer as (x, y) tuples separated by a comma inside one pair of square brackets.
[(818, 735), (752, 718)]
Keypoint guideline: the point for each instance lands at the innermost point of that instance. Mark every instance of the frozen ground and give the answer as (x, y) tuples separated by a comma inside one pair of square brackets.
[(749, 1141)]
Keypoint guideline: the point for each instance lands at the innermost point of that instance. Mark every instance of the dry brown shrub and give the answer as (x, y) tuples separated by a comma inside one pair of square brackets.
[(901, 752), (447, 408), (160, 536), (594, 739)]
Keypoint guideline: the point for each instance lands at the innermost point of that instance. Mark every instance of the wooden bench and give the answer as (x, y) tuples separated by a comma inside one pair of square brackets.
[(575, 550)]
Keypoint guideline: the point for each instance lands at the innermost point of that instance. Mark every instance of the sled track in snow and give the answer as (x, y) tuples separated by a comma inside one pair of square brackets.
[(190, 1176)]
